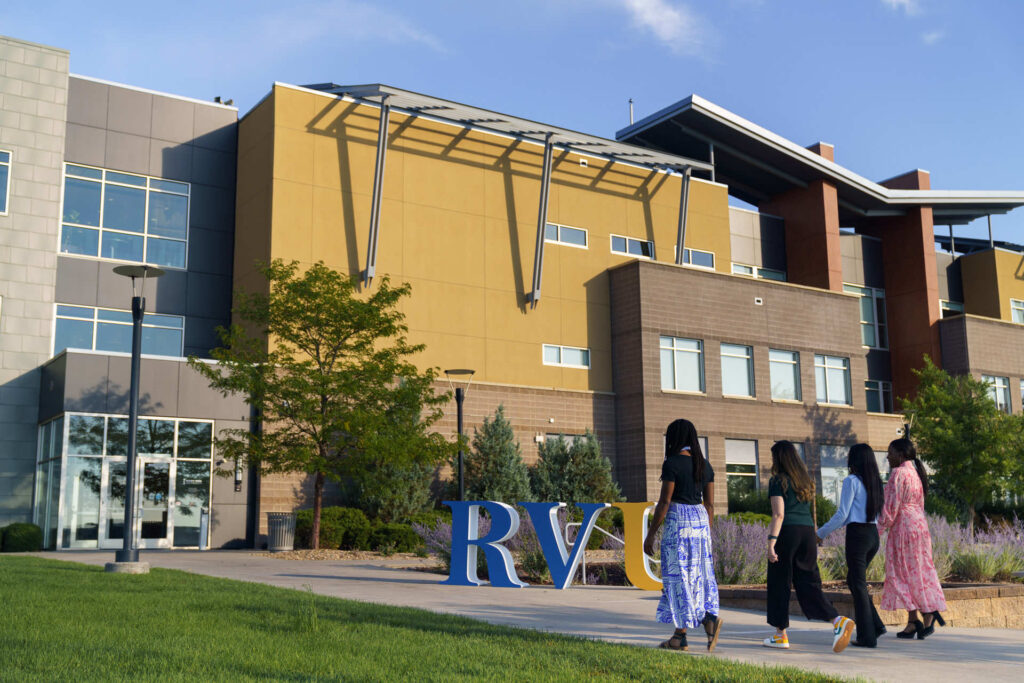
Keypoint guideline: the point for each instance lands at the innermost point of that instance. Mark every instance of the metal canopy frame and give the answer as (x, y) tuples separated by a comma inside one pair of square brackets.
[(551, 137)]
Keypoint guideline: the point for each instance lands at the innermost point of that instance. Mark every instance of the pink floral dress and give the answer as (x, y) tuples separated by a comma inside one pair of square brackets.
[(910, 579)]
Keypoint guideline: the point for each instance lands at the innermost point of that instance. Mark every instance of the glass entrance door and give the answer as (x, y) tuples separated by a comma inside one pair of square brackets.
[(153, 518)]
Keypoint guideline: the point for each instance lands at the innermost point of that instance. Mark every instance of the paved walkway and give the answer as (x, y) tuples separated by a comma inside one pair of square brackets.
[(623, 615)]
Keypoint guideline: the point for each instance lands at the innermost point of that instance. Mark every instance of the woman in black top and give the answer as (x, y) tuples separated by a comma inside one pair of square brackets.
[(689, 591)]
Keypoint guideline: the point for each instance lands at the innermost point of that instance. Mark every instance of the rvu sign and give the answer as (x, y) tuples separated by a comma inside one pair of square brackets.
[(562, 562)]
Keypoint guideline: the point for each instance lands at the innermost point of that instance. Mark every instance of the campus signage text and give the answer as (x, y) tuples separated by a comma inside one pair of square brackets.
[(562, 561)]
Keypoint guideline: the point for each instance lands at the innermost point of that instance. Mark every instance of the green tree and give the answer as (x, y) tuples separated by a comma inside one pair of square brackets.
[(574, 474), (971, 445), (328, 373), (494, 468)]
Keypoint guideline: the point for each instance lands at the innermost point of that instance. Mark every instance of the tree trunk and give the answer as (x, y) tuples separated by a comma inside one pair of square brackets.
[(970, 519), (318, 497)]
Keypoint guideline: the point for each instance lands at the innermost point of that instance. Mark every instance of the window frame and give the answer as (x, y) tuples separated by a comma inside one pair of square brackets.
[(1017, 307), (758, 272), (994, 386), (885, 398), (952, 307), (561, 348), (701, 374), (795, 363), (749, 357), (5, 210), (824, 365), (879, 328), (688, 257), (95, 327), (148, 188), (611, 243), (558, 240)]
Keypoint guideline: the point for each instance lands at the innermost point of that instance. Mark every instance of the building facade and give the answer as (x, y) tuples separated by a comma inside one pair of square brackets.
[(696, 266)]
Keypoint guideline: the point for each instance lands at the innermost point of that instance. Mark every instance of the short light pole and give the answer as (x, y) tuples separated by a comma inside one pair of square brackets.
[(129, 553), (460, 396)]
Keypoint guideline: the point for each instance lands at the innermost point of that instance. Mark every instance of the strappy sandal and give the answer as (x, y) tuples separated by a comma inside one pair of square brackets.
[(712, 626), (676, 642)]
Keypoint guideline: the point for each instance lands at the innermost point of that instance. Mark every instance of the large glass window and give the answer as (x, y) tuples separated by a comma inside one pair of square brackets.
[(740, 467), (566, 356), (5, 179), (832, 379), (873, 329), (682, 364), (103, 329), (784, 371), (737, 370), (1017, 311), (47, 490), (999, 390), (879, 396), (632, 247), (564, 234), (759, 272), (697, 258), (124, 217), (832, 470)]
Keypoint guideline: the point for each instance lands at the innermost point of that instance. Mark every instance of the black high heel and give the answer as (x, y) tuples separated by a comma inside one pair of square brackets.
[(930, 628), (910, 635)]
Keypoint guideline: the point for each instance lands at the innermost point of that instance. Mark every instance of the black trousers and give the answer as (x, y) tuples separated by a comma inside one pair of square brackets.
[(797, 567), (861, 546)]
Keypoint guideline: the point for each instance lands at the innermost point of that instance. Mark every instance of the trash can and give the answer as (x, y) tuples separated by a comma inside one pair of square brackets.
[(280, 531)]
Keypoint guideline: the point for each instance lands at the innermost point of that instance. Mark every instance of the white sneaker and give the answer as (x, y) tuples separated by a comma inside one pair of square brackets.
[(778, 642), (842, 629)]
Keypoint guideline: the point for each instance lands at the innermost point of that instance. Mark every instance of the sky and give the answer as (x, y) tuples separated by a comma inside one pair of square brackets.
[(893, 84)]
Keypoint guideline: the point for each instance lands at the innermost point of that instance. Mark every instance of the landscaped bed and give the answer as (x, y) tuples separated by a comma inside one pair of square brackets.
[(67, 621)]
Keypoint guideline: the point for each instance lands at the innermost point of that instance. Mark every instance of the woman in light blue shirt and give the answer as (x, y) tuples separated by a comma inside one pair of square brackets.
[(860, 503)]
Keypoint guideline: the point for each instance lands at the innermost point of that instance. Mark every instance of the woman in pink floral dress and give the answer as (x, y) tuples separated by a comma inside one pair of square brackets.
[(911, 582)]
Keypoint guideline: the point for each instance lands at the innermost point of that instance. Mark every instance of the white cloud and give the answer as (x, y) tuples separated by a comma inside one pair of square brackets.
[(932, 37), (672, 23), (911, 7)]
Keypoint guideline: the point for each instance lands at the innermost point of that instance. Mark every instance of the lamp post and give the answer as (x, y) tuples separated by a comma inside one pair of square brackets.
[(129, 553), (460, 396)]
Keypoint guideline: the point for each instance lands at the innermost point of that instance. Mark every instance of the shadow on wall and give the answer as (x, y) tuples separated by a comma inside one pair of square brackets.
[(828, 428), (1019, 272)]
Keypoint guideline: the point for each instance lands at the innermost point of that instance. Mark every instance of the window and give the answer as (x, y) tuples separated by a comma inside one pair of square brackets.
[(682, 364), (103, 329), (124, 217), (740, 467), (737, 370), (697, 258), (5, 179), (566, 356), (832, 471), (784, 372), (632, 247), (1016, 310), (999, 390), (563, 234), (879, 396), (832, 379), (872, 316), (758, 272), (949, 308)]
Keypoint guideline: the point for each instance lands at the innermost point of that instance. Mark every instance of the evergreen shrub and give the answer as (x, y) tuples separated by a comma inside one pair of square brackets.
[(22, 537), (340, 528), (395, 537)]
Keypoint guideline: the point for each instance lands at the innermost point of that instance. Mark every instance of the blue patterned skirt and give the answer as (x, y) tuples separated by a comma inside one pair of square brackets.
[(689, 589)]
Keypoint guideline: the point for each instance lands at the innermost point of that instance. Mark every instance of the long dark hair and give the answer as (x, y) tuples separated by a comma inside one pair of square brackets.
[(862, 463), (790, 469), (682, 434), (904, 449)]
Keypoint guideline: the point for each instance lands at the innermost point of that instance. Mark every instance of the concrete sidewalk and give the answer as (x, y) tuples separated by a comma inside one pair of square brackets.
[(623, 615)]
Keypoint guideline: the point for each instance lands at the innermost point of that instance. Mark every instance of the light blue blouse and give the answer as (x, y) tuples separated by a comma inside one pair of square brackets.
[(853, 505)]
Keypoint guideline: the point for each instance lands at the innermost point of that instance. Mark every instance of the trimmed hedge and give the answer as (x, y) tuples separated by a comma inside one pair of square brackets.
[(431, 518), (21, 537), (749, 518), (395, 537), (340, 528), (757, 501)]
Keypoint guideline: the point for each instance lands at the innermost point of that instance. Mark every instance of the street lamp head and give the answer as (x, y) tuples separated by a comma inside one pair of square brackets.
[(459, 373), (137, 272)]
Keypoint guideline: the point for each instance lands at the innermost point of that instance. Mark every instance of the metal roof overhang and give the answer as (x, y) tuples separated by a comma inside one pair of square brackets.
[(416, 104), (757, 164)]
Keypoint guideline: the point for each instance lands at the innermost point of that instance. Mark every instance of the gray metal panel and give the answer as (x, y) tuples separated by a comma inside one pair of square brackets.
[(210, 251), (212, 167), (129, 111), (215, 128), (874, 273), (197, 399), (85, 383), (166, 295), (173, 119), (743, 250), (51, 388), (87, 102), (127, 152), (77, 281), (170, 160), (212, 208), (879, 365), (772, 236), (209, 296), (201, 335), (158, 386), (85, 145)]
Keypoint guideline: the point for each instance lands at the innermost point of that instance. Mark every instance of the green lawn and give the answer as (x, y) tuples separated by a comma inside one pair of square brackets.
[(72, 622)]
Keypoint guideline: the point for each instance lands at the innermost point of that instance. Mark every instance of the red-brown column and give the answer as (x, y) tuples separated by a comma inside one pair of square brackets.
[(911, 284)]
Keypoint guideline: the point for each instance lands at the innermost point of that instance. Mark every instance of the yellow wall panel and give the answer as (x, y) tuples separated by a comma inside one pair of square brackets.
[(443, 245), (336, 236), (292, 237), (293, 155), (448, 350), (1010, 271), (586, 325), (508, 255), (444, 183), (445, 307), (541, 325), (294, 108), (981, 284), (520, 360)]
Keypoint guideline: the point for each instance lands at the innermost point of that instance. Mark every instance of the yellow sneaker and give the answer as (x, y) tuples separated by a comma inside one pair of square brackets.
[(778, 642), (842, 629)]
